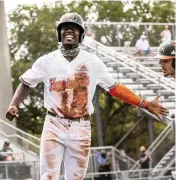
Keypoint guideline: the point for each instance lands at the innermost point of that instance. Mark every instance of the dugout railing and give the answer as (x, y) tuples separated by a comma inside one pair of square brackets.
[(166, 137), (167, 161), (21, 140), (29, 170), (13, 155), (29, 146)]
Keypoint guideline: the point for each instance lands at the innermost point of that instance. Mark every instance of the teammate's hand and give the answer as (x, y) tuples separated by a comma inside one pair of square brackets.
[(12, 113), (155, 108)]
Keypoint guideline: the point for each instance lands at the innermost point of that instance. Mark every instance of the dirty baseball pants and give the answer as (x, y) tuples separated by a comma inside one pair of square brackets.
[(68, 141)]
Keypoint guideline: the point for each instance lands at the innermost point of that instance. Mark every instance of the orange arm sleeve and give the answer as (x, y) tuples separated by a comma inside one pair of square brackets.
[(128, 96)]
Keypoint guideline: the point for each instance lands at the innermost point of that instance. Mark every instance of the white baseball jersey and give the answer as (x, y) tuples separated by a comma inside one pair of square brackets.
[(68, 86)]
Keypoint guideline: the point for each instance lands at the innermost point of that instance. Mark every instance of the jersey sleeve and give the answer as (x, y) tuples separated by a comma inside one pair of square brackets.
[(34, 75), (104, 79)]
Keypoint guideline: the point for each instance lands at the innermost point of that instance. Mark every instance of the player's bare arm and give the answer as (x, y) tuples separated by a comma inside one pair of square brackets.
[(129, 97), (20, 94)]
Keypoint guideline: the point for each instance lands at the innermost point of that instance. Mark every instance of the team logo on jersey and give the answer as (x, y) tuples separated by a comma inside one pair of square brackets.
[(73, 91)]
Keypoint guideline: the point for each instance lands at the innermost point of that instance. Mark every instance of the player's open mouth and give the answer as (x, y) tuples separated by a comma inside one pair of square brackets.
[(69, 37)]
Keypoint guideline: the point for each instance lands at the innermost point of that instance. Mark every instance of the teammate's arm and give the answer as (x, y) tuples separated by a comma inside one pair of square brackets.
[(126, 95), (105, 80), (21, 93)]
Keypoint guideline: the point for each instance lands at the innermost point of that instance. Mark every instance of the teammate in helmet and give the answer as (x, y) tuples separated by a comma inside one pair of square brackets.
[(167, 53), (70, 76)]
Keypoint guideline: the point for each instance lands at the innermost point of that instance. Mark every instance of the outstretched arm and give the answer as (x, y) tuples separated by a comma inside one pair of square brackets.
[(126, 95), (20, 94)]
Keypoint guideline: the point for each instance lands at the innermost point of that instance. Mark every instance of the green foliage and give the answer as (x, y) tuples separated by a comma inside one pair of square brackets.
[(139, 11)]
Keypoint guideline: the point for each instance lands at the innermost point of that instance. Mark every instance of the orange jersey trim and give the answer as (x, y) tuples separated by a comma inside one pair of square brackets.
[(128, 96)]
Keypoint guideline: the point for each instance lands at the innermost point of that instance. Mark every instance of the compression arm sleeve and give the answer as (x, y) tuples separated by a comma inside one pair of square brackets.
[(128, 96)]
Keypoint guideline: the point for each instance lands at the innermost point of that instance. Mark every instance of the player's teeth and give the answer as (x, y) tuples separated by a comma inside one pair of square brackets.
[(69, 36)]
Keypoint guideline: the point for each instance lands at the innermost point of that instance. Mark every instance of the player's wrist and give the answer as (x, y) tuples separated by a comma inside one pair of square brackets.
[(143, 104)]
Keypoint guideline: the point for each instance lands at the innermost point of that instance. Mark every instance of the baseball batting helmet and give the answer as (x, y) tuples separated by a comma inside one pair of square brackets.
[(167, 50), (71, 18)]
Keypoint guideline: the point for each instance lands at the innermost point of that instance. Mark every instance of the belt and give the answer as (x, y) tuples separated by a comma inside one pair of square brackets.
[(84, 118)]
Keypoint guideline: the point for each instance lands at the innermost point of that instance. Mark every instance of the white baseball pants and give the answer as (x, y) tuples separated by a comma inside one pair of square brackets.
[(68, 141)]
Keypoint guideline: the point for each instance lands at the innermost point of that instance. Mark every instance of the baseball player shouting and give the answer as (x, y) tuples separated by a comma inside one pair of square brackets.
[(70, 76)]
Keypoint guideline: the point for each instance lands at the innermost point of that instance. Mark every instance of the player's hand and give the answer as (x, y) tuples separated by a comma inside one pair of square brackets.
[(155, 108), (12, 113)]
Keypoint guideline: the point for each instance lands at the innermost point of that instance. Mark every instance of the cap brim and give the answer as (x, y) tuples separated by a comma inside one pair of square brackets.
[(60, 26), (164, 57)]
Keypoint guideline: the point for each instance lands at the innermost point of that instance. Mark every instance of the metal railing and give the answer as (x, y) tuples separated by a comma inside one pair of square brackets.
[(117, 162), (156, 144), (15, 155), (168, 160), (30, 170), (118, 159), (115, 154), (23, 140), (128, 63), (19, 170)]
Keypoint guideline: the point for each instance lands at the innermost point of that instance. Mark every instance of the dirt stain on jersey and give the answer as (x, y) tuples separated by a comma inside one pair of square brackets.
[(73, 92)]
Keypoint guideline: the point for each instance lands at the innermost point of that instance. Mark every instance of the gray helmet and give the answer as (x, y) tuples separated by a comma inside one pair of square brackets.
[(71, 18), (167, 50)]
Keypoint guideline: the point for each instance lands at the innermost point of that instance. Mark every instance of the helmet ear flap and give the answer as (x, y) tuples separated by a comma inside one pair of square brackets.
[(58, 34), (173, 63), (81, 37)]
